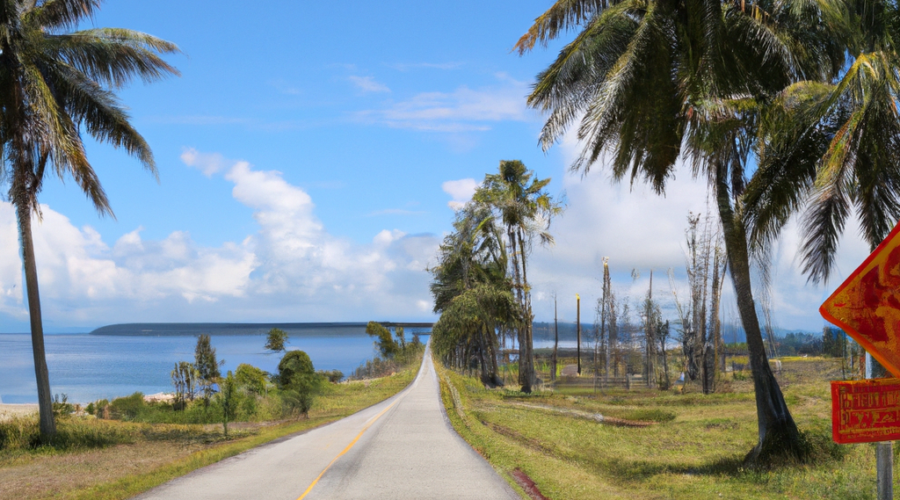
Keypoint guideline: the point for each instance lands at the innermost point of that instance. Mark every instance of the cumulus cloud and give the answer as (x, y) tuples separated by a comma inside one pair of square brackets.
[(638, 229), (461, 191), (290, 269), (368, 84)]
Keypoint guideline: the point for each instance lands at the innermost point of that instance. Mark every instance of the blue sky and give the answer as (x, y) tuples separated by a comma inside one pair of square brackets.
[(308, 158)]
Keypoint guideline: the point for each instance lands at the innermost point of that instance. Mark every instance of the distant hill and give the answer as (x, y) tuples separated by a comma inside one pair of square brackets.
[(567, 331), (194, 329)]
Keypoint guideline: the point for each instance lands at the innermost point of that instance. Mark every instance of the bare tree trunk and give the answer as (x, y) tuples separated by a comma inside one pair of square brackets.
[(778, 433), (45, 401), (650, 337), (605, 332)]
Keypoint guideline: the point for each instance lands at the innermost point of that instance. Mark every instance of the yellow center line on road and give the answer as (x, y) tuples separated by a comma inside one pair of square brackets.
[(346, 449)]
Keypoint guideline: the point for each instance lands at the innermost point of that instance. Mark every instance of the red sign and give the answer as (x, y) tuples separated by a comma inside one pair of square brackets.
[(865, 411), (867, 304)]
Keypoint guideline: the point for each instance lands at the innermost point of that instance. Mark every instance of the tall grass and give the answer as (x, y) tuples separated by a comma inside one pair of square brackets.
[(22, 433)]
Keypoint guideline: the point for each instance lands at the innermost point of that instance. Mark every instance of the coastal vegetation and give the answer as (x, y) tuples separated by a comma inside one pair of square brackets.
[(57, 85), (393, 355), (97, 458), (480, 284)]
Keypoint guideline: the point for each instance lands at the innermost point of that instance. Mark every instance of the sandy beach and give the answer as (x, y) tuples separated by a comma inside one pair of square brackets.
[(7, 410)]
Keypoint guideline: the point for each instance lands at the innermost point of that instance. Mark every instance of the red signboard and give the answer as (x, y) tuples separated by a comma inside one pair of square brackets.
[(865, 411), (867, 304)]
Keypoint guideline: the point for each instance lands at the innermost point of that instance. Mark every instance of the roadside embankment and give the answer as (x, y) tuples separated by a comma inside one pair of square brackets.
[(661, 444)]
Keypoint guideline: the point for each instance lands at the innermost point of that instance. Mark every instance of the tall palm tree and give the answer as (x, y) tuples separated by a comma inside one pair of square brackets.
[(53, 84), (652, 81), (472, 292), (525, 209)]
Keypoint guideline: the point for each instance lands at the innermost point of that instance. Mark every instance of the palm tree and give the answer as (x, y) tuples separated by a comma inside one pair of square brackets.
[(53, 83), (526, 211), (836, 143), (653, 81), (472, 292)]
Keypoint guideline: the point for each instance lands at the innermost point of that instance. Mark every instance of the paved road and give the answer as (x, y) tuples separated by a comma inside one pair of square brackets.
[(403, 447)]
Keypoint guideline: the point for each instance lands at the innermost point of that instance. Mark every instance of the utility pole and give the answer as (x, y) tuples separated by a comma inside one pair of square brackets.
[(884, 450), (555, 341), (578, 326)]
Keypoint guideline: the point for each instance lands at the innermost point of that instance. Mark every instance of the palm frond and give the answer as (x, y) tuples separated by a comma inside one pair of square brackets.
[(561, 16)]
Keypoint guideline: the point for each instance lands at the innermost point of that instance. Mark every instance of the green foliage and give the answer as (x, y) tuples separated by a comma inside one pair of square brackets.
[(383, 367), (333, 376), (128, 407), (228, 401), (294, 362), (61, 406), (276, 339), (185, 379), (250, 378), (207, 366), (299, 394), (386, 344), (298, 381), (23, 433), (90, 409)]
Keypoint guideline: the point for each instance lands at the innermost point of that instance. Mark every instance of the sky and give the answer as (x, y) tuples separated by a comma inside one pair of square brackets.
[(310, 159)]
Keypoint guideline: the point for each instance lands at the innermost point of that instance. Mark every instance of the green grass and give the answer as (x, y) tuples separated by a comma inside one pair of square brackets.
[(694, 449)]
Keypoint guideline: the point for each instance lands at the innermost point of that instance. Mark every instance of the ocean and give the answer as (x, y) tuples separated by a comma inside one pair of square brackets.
[(128, 358)]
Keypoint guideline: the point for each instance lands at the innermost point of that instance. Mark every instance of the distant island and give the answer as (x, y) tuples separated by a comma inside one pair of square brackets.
[(193, 329)]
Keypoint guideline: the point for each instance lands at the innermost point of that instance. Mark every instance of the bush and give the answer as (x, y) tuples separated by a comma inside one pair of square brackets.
[(250, 378), (298, 381), (292, 363), (127, 408), (61, 406), (333, 376)]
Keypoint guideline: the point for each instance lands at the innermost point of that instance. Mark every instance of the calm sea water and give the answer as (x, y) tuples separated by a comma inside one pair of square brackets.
[(89, 367)]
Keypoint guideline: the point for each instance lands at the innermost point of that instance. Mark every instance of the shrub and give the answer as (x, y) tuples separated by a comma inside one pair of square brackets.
[(61, 406), (250, 378), (127, 408), (333, 376), (298, 382), (292, 363)]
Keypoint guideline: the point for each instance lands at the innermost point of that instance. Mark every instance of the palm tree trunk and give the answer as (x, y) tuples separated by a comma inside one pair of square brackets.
[(45, 403), (529, 323), (778, 434)]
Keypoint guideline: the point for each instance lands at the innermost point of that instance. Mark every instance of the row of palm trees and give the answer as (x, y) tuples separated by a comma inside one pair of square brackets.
[(56, 84), (480, 284), (786, 107)]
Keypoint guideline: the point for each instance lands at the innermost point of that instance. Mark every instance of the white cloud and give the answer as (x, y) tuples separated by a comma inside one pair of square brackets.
[(208, 163), (368, 84), (291, 268), (636, 228), (461, 191), (463, 110)]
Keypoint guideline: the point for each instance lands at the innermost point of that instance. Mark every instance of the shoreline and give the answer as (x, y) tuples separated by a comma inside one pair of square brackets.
[(10, 410)]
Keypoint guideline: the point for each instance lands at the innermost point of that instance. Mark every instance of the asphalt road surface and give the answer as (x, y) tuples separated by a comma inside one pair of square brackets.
[(400, 448)]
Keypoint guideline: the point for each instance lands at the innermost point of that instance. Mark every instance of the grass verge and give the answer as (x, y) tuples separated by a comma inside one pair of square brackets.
[(693, 449), (131, 458)]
